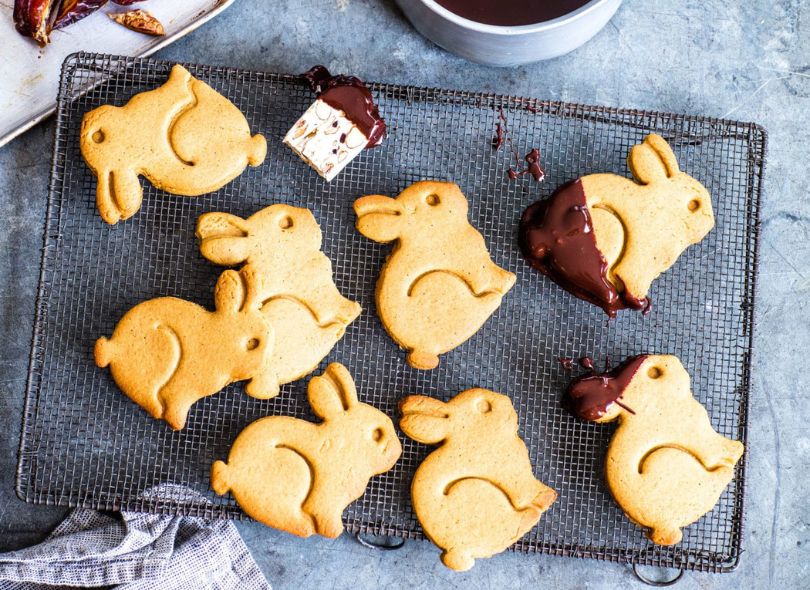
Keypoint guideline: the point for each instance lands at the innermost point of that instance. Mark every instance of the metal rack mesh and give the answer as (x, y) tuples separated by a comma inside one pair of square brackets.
[(86, 444)]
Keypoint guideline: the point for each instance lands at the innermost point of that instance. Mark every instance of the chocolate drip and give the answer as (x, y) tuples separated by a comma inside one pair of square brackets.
[(556, 237), (498, 140), (566, 362), (511, 12), (532, 158), (350, 95), (532, 167), (589, 397)]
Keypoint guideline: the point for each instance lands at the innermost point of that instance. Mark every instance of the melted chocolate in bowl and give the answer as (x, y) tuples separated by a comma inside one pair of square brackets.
[(511, 12)]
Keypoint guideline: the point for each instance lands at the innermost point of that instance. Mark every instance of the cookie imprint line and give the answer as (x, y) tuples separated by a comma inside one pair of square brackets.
[(318, 322), (446, 490), (311, 480), (340, 388), (393, 212), (184, 108), (174, 337), (113, 193), (683, 449), (427, 412), (247, 277), (459, 276), (622, 252), (666, 161)]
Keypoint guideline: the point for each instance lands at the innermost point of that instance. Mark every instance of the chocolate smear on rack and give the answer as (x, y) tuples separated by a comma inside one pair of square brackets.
[(500, 136), (556, 238), (350, 95), (532, 159), (589, 397), (566, 362), (532, 167), (586, 362)]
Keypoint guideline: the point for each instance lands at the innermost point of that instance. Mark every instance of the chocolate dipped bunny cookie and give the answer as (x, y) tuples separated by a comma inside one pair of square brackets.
[(605, 238)]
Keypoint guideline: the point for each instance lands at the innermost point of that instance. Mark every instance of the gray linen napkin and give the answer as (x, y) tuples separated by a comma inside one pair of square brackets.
[(135, 551)]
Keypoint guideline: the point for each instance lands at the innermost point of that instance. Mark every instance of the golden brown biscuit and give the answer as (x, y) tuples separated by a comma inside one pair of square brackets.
[(184, 137), (167, 353), (297, 476), (476, 494), (439, 285), (666, 466), (605, 238), (282, 245)]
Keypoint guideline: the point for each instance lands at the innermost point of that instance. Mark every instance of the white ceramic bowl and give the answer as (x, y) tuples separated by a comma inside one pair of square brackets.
[(508, 46)]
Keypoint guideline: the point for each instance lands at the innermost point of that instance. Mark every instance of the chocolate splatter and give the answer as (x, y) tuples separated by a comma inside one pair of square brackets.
[(566, 362), (532, 159)]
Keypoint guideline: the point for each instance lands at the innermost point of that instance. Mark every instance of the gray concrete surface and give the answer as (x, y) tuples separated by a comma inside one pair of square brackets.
[(743, 60)]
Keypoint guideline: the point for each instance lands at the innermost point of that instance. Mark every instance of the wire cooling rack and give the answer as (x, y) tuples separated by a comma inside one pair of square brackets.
[(85, 444)]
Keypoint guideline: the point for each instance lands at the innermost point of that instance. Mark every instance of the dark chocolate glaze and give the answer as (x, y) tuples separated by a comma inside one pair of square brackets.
[(586, 362), (556, 237), (590, 396), (511, 12), (351, 96)]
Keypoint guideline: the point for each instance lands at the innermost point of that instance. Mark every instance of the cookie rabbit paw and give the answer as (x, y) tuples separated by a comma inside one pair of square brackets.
[(458, 560), (422, 360)]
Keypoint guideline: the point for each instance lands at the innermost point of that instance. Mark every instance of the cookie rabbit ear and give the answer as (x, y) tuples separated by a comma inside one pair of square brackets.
[(379, 218), (252, 287), (333, 392), (424, 419), (653, 160), (223, 238), (230, 292)]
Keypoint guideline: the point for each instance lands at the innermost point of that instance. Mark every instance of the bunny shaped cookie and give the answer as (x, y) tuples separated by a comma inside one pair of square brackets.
[(439, 285), (184, 137), (297, 476), (476, 494), (605, 237), (282, 244), (666, 466), (167, 353)]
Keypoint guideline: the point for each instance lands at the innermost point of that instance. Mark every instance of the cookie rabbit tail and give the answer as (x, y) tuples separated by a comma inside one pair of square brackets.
[(219, 478), (257, 150), (103, 352)]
